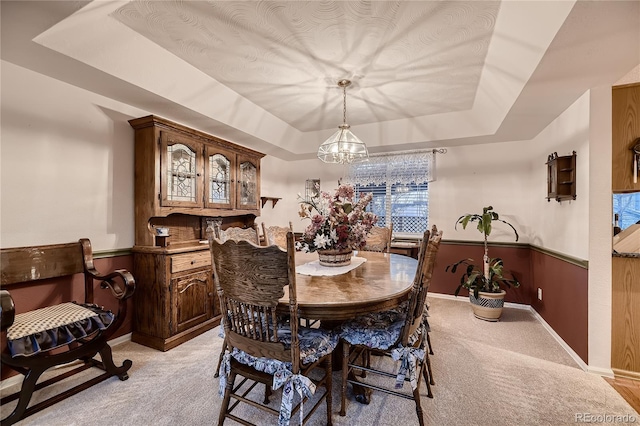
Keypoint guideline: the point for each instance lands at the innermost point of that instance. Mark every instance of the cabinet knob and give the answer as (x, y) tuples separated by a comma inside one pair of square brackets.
[(193, 262), (210, 294)]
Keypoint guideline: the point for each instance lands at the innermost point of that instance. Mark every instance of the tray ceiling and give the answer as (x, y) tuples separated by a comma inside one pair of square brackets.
[(263, 73), (404, 58)]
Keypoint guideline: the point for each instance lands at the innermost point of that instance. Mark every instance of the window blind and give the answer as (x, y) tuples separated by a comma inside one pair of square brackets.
[(400, 188)]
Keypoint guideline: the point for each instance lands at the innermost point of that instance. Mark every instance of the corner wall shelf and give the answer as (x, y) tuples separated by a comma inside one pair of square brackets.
[(561, 177), (273, 200)]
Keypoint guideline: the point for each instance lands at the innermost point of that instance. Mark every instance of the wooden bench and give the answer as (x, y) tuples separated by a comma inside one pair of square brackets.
[(61, 333)]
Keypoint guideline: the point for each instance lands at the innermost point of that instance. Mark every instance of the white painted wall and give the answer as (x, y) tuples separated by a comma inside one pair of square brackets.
[(66, 167), (476, 176), (286, 179), (468, 178), (600, 230), (562, 226)]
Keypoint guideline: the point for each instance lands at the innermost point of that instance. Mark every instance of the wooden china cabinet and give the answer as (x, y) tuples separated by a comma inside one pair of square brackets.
[(185, 180)]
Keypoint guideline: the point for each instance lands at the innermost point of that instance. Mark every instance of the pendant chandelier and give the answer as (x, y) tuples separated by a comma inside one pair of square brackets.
[(343, 146)]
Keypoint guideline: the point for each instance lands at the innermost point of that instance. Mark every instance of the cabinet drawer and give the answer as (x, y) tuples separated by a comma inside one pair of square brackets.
[(184, 262)]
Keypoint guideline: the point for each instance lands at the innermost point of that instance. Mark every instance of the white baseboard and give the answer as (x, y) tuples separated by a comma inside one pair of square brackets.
[(606, 372), (448, 297), (466, 299), (17, 379), (562, 343)]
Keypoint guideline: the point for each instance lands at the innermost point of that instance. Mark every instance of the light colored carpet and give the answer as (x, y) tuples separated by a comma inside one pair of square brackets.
[(507, 373)]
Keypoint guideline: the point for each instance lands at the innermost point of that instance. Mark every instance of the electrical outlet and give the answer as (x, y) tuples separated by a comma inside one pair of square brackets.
[(539, 294)]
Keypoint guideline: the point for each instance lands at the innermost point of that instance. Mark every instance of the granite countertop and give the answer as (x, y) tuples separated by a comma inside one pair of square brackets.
[(632, 255)]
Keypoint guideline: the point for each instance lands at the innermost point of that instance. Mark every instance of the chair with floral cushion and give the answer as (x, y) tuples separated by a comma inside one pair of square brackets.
[(398, 333), (234, 233), (379, 239), (250, 280), (276, 235)]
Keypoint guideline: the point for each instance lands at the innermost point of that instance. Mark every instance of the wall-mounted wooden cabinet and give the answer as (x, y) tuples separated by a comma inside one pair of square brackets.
[(625, 104), (561, 177)]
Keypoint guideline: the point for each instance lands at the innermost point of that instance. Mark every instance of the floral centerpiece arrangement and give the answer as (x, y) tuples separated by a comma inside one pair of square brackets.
[(338, 223)]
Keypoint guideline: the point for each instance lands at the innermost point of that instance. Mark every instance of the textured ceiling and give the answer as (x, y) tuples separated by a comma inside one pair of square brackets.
[(263, 73), (404, 58)]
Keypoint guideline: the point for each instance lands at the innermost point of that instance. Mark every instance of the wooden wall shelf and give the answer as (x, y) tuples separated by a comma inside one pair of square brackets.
[(273, 200), (561, 177)]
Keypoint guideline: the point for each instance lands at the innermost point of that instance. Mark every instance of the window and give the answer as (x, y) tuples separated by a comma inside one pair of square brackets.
[(627, 207), (406, 205), (400, 188)]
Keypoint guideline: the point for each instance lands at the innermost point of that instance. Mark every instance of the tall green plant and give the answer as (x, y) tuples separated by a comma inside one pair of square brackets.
[(493, 273)]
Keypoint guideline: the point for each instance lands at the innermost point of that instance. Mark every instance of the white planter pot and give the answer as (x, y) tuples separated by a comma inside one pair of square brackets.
[(488, 306)]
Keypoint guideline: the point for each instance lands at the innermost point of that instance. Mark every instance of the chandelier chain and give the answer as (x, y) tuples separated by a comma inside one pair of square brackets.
[(344, 105)]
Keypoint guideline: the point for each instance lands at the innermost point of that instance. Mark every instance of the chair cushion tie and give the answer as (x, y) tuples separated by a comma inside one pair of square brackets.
[(408, 358), (225, 370), (292, 383)]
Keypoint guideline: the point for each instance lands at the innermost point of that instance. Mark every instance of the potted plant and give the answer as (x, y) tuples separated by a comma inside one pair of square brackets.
[(485, 282)]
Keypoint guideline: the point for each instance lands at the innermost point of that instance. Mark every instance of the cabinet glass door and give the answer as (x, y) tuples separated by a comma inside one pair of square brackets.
[(248, 184), (180, 162), (220, 179)]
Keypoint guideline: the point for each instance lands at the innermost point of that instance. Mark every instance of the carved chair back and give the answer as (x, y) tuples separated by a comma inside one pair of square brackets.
[(276, 235), (250, 280), (379, 239), (235, 233), (426, 261)]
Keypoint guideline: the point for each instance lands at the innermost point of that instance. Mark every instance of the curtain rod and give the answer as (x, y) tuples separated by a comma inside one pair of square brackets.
[(434, 150)]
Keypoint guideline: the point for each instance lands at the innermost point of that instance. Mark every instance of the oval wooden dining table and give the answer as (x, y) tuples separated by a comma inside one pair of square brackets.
[(382, 282)]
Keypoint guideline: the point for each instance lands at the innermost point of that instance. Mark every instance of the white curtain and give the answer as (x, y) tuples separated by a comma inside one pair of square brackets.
[(406, 168)]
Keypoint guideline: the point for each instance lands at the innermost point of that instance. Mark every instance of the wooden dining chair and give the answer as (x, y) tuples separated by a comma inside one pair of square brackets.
[(398, 334), (379, 239), (276, 235), (250, 280), (236, 233)]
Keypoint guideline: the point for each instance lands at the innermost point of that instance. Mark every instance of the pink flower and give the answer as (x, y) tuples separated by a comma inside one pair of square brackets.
[(338, 222), (345, 191)]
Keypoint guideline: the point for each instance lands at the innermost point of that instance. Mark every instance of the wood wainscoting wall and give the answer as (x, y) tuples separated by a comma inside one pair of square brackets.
[(563, 280), (516, 257), (625, 321), (564, 286), (565, 298)]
